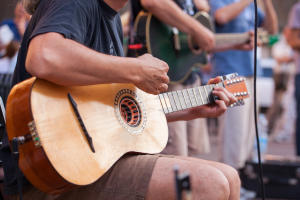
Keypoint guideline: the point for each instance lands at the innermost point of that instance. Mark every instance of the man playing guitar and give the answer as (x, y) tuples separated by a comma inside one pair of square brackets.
[(78, 43)]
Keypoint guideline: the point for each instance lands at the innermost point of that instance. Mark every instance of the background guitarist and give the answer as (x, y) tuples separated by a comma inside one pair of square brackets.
[(235, 16), (186, 138), (77, 43)]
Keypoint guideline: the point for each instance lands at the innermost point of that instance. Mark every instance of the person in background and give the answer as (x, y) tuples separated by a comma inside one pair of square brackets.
[(185, 138), (19, 23), (8, 50), (236, 128), (281, 114), (6, 36), (294, 42)]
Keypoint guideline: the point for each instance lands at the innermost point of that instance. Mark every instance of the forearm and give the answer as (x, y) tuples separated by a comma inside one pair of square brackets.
[(230, 12), (295, 44), (170, 13), (68, 63), (293, 39), (183, 115), (270, 22)]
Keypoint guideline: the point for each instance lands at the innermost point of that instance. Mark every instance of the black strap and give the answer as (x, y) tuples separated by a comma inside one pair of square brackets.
[(15, 149)]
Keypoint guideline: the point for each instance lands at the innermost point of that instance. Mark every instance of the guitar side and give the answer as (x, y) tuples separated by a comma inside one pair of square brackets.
[(159, 42), (65, 149)]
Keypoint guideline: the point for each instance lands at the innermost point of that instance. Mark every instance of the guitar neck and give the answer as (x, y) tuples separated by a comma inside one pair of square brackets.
[(231, 39), (187, 98)]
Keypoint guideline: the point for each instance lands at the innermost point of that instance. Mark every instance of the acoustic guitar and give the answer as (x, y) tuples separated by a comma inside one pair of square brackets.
[(177, 49), (70, 136)]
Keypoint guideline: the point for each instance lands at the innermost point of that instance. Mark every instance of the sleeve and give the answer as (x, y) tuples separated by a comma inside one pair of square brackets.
[(65, 17), (215, 5), (294, 17), (260, 16)]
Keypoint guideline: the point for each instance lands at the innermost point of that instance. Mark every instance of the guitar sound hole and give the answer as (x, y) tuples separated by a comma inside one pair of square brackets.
[(130, 111)]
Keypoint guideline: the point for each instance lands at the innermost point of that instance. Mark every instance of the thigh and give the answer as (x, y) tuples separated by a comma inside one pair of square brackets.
[(207, 181), (127, 179)]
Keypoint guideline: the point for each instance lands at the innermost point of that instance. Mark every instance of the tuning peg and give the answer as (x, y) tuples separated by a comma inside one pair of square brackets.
[(229, 76)]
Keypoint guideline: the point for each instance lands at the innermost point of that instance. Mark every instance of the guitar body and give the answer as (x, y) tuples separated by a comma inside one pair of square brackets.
[(160, 43), (56, 156)]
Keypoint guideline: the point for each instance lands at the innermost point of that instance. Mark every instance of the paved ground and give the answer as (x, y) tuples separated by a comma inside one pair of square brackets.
[(283, 149)]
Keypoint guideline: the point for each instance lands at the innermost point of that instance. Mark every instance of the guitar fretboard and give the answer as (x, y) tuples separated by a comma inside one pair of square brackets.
[(231, 39), (187, 98)]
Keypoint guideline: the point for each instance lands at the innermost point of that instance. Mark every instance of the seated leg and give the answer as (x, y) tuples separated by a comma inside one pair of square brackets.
[(207, 181)]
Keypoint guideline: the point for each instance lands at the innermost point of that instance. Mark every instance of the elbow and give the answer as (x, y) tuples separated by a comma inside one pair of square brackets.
[(221, 18), (37, 64), (149, 5)]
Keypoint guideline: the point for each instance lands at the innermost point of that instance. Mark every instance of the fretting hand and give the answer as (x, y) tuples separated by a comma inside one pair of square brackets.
[(219, 107)]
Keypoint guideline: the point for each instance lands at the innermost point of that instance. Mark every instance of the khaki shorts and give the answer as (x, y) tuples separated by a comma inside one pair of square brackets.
[(127, 179)]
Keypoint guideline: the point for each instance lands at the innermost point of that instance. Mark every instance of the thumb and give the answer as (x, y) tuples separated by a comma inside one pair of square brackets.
[(214, 80)]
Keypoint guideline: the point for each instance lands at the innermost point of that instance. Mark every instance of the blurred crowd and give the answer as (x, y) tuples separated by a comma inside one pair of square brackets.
[(11, 33), (235, 129)]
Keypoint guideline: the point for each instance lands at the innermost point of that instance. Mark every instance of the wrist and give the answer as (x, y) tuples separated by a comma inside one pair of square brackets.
[(134, 70)]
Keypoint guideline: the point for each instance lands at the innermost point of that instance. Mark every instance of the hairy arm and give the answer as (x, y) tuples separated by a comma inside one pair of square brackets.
[(294, 39), (230, 12), (170, 13), (65, 62)]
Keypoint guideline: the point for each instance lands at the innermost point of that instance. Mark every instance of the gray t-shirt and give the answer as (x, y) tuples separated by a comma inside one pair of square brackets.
[(294, 23)]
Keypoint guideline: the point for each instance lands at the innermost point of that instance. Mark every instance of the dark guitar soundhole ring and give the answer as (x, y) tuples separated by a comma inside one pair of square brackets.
[(130, 111)]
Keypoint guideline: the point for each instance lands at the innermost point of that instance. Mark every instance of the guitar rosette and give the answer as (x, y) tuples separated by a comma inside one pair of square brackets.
[(130, 111)]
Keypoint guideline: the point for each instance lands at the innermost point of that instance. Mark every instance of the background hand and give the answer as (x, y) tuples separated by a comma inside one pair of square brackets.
[(248, 46), (204, 38), (219, 107), (152, 75)]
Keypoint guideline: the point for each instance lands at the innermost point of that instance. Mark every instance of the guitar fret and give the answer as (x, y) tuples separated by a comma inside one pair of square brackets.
[(206, 94), (192, 97), (163, 103), (168, 103), (182, 100), (187, 99), (177, 100), (200, 95), (196, 98), (173, 104), (203, 94), (209, 92)]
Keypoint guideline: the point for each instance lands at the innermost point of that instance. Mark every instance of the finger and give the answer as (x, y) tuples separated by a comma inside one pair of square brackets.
[(230, 96), (165, 79), (214, 80), (222, 97), (222, 107), (163, 87)]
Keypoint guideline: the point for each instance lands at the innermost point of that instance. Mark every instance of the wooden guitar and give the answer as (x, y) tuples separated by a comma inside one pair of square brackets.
[(178, 49), (70, 136)]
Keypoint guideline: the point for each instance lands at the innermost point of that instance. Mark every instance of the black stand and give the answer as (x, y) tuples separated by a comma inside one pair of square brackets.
[(182, 182), (15, 149)]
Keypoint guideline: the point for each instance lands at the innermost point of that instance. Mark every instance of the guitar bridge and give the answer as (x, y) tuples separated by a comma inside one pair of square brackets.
[(34, 134)]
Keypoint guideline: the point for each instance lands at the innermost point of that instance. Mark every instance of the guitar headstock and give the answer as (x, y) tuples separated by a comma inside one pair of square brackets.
[(237, 86)]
